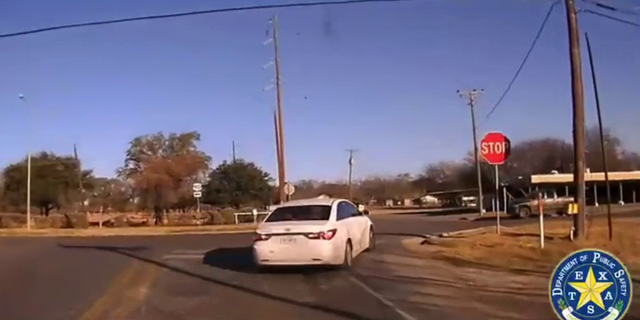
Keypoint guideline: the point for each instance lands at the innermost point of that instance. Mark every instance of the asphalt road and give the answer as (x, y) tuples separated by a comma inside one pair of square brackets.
[(190, 277)]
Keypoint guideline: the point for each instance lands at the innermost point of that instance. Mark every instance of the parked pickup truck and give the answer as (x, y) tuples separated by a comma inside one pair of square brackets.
[(552, 203)]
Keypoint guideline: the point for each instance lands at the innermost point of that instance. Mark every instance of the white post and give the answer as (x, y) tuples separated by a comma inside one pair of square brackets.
[(541, 214), (595, 194), (504, 198), (29, 190), (621, 195), (497, 201), (21, 97)]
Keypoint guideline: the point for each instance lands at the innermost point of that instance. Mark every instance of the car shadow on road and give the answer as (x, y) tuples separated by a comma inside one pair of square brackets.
[(240, 259), (131, 253)]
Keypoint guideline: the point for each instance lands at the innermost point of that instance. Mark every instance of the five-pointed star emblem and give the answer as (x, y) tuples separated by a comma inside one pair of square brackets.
[(590, 290)]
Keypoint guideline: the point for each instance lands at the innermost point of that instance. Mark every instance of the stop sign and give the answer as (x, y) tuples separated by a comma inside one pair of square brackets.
[(495, 148)]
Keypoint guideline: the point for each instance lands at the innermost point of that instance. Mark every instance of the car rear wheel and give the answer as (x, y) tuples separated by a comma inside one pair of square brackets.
[(348, 256), (524, 212), (372, 240)]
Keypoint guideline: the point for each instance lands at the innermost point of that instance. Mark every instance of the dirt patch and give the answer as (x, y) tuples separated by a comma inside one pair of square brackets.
[(518, 249), (430, 288)]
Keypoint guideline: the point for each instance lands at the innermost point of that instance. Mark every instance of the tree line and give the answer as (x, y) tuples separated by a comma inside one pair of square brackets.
[(157, 176), (159, 170), (535, 156)]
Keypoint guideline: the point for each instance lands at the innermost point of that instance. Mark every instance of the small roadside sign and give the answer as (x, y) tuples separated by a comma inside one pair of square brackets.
[(289, 189), (197, 187), (197, 194)]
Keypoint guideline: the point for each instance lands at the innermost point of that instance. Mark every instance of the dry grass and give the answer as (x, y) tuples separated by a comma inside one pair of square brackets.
[(127, 231), (518, 249)]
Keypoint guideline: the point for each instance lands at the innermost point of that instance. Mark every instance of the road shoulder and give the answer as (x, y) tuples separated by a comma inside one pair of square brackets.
[(130, 231)]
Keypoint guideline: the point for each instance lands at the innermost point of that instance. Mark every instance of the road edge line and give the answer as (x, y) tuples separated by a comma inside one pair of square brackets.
[(382, 299)]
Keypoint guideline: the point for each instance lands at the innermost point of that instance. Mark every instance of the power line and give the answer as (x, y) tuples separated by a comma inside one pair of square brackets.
[(612, 8), (524, 61), (606, 16), (191, 13)]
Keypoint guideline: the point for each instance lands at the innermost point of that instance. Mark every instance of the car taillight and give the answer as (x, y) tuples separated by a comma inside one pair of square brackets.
[(261, 237), (324, 235)]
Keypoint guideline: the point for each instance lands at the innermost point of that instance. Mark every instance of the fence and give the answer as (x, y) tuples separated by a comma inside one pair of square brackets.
[(254, 217)]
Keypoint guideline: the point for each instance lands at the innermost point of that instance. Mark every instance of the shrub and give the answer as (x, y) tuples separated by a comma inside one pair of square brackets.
[(228, 216), (13, 220), (120, 221), (180, 219), (40, 222), (76, 221), (139, 219), (57, 221), (213, 217)]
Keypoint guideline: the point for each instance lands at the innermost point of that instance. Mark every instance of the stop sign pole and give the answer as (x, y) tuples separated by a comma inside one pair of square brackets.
[(495, 148)]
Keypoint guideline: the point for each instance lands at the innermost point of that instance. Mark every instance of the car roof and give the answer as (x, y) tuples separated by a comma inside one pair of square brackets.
[(310, 202)]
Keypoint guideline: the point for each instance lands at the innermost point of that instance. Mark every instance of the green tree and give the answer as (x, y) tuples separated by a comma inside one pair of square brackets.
[(111, 195), (238, 183), (54, 182), (162, 169)]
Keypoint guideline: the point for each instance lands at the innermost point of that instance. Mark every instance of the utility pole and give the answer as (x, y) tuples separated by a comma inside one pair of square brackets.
[(577, 93), (233, 150), (282, 176), (470, 97), (351, 151)]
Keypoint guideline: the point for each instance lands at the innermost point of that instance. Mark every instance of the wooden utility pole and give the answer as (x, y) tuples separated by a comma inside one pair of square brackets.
[(602, 142), (577, 93), (282, 176), (351, 151), (471, 97)]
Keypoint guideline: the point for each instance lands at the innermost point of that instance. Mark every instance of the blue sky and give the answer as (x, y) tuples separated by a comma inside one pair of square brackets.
[(381, 78)]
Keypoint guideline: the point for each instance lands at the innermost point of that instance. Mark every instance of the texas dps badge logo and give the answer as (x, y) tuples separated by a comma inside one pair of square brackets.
[(590, 284)]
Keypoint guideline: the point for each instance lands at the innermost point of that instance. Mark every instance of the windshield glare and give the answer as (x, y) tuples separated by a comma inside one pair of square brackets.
[(300, 213)]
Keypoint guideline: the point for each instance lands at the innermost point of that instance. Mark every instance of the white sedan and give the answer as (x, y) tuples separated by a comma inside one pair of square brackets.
[(317, 231)]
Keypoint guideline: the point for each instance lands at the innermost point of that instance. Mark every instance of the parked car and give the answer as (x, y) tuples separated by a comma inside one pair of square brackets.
[(524, 206), (313, 232)]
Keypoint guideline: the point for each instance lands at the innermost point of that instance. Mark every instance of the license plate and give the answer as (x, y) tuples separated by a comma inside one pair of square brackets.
[(287, 240)]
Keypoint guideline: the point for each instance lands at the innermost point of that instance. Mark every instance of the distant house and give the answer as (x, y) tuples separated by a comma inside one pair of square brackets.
[(429, 200)]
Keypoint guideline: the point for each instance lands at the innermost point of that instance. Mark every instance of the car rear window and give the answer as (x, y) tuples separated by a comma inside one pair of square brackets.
[(300, 213)]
